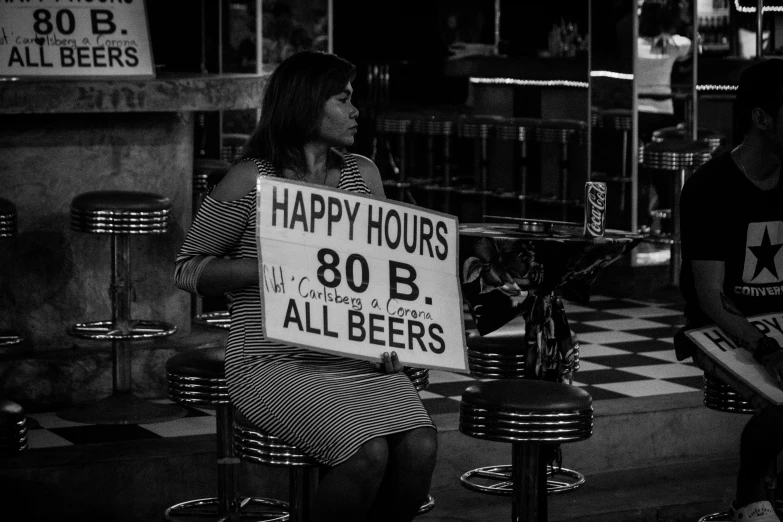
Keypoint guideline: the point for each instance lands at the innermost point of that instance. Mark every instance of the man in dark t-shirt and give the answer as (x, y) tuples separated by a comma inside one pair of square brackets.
[(731, 217)]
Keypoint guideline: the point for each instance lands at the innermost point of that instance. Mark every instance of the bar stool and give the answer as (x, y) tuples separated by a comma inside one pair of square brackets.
[(566, 134), (497, 355), (197, 377), (714, 139), (435, 126), (207, 172), (232, 146), (255, 445), (394, 126), (679, 158), (121, 214), (478, 128), (529, 414), (620, 120), (420, 377), (8, 231), (523, 132), (720, 396), (708, 136), (13, 428)]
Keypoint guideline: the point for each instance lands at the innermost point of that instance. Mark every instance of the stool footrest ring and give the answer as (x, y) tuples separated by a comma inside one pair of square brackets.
[(106, 331), (496, 480), (10, 338), (250, 508)]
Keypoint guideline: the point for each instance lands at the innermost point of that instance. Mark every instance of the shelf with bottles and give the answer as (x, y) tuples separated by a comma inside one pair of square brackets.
[(715, 32)]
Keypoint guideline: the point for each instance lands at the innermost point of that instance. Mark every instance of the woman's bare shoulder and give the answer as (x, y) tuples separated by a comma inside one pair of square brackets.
[(371, 175), (240, 179)]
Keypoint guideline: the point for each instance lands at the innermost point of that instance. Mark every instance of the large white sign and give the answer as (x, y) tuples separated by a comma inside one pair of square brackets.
[(76, 39), (359, 276), (740, 362)]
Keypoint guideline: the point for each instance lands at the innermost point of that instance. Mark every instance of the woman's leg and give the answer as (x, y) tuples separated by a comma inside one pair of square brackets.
[(347, 491), (405, 486)]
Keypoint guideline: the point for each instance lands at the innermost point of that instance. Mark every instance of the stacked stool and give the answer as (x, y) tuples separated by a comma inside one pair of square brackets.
[(13, 428), (121, 214), (232, 146), (197, 377), (393, 127), (498, 355), (8, 231), (520, 131), (528, 414), (720, 396), (620, 121), (566, 134), (207, 172), (479, 129), (435, 126), (679, 158)]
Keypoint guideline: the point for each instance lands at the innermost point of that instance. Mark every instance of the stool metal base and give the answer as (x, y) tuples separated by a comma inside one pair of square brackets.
[(250, 508), (220, 319), (9, 338), (496, 480), (716, 517), (106, 331), (122, 408), (427, 506), (725, 516)]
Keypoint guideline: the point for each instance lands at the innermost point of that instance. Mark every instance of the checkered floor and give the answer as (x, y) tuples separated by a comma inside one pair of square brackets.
[(625, 351)]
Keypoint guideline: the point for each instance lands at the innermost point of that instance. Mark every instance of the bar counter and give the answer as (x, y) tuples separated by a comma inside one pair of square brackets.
[(62, 138)]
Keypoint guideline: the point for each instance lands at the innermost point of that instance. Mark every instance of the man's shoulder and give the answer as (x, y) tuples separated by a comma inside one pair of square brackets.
[(712, 175)]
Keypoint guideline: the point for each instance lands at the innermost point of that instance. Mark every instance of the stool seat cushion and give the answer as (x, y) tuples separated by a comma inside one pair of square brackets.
[(507, 340), (522, 395), (120, 200), (9, 410), (200, 362), (7, 208)]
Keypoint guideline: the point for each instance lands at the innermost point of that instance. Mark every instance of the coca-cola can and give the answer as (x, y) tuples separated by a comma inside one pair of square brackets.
[(595, 209)]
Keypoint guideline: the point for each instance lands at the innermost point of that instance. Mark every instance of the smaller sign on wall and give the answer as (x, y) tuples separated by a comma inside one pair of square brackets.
[(358, 276), (75, 39), (738, 361)]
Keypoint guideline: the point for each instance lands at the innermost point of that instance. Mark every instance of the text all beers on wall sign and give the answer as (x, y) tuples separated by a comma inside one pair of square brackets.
[(75, 39)]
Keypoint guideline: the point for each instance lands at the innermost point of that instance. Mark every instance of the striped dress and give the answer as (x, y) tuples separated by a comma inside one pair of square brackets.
[(324, 404)]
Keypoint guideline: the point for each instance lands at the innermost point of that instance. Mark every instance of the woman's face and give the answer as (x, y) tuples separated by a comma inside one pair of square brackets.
[(338, 122)]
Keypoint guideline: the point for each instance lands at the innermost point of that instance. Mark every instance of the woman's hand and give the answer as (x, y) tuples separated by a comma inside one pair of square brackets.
[(390, 363)]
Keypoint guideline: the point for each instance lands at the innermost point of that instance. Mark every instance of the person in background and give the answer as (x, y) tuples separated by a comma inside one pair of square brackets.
[(365, 422), (659, 48), (732, 266)]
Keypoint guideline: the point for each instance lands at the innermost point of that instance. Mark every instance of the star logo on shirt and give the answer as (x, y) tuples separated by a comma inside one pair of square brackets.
[(765, 255)]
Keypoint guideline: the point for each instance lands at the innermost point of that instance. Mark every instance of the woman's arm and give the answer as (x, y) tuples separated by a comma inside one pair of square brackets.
[(371, 175), (201, 265)]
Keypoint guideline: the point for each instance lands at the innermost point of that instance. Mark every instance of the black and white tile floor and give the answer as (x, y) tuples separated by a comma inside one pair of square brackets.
[(625, 351)]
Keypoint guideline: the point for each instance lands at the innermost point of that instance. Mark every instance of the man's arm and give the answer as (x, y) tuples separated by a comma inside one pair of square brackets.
[(708, 278)]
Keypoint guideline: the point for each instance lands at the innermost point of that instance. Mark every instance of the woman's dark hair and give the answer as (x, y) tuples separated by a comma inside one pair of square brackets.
[(658, 17), (760, 86), (293, 103)]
